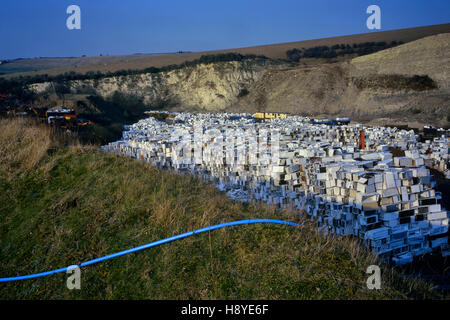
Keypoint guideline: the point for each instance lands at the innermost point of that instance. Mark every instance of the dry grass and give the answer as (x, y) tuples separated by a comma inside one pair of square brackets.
[(23, 145)]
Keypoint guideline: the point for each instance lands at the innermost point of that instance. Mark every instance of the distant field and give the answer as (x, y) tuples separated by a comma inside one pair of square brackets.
[(45, 63), (53, 66)]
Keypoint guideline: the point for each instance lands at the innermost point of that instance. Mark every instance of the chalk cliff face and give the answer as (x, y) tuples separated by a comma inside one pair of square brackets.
[(380, 85), (209, 87)]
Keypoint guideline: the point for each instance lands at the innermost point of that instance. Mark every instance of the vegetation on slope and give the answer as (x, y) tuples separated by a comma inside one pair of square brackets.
[(328, 52), (66, 204), (110, 115), (395, 82)]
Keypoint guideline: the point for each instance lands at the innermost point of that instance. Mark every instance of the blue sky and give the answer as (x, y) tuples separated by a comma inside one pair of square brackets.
[(37, 28)]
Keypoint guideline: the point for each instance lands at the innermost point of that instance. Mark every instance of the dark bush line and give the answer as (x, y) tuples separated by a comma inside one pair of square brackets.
[(339, 50), (396, 82)]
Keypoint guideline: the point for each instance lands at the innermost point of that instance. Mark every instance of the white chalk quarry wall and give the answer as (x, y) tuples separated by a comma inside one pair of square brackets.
[(211, 86)]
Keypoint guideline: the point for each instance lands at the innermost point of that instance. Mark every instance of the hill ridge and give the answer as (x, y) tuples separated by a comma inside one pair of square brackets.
[(274, 51)]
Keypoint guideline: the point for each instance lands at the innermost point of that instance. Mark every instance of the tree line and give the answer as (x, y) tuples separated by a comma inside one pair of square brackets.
[(336, 50)]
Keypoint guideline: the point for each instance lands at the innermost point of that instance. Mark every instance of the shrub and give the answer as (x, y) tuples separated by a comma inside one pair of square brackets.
[(243, 92)]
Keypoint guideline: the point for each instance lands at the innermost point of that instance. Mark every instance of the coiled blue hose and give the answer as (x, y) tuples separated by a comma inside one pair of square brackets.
[(149, 245)]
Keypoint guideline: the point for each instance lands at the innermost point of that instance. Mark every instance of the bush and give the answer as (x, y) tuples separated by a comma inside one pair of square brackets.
[(396, 82), (243, 93), (61, 88), (294, 55)]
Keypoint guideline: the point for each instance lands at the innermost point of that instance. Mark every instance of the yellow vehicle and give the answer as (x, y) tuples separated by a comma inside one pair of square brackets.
[(270, 115)]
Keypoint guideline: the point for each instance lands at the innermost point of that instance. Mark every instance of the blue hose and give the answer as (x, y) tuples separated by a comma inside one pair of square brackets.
[(149, 245)]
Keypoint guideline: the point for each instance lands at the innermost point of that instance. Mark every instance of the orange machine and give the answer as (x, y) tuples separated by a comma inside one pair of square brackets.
[(362, 140)]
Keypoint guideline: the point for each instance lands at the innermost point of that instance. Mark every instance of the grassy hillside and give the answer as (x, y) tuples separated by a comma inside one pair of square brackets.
[(55, 66), (429, 55), (70, 203)]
